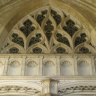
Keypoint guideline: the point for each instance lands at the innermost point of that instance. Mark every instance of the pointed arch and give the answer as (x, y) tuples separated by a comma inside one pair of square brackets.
[(49, 68), (43, 33), (66, 68), (83, 68), (14, 69), (31, 69)]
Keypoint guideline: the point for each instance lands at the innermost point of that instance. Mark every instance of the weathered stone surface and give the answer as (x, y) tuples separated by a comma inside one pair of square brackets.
[(31, 74)]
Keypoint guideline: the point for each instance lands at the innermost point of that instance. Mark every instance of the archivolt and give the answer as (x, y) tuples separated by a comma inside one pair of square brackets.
[(76, 89), (18, 90), (48, 30)]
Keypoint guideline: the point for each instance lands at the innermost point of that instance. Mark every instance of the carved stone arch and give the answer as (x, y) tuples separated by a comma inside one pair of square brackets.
[(14, 63), (77, 90), (18, 90), (66, 68), (49, 68), (16, 35), (61, 49), (81, 31), (61, 34), (83, 67), (38, 33), (13, 49), (32, 85), (54, 3), (31, 23), (85, 48), (48, 29), (82, 36), (14, 68), (31, 68), (37, 49)]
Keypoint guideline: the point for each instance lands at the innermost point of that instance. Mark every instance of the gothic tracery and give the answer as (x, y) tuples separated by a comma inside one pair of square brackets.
[(48, 31), (35, 57)]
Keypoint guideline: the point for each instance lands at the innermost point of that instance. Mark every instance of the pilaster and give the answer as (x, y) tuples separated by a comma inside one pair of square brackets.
[(50, 87)]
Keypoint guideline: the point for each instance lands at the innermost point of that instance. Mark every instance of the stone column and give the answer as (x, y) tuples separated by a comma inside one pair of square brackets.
[(50, 87)]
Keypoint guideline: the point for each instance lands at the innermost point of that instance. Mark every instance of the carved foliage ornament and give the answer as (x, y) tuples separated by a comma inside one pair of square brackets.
[(76, 89), (48, 31), (31, 64), (18, 89)]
